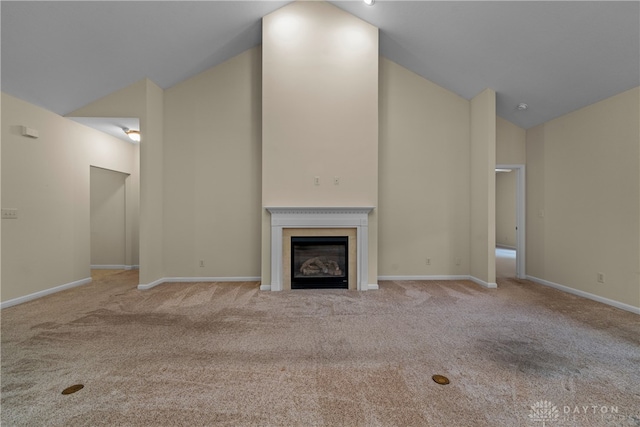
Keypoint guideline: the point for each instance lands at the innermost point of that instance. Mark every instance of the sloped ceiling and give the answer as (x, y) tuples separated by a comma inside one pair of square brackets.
[(555, 56), (114, 126)]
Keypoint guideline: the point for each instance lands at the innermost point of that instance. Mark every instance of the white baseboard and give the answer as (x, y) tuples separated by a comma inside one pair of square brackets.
[(114, 267), (506, 247), (587, 295), (454, 277), (370, 286), (40, 294), (441, 277), (483, 283), (143, 286)]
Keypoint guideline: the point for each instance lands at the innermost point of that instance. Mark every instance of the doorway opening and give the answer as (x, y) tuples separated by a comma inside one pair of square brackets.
[(108, 220), (510, 221)]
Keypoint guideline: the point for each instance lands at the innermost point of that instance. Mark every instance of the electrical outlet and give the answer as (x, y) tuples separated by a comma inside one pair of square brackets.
[(201, 263), (458, 261), (336, 180), (428, 261), (600, 277), (316, 180)]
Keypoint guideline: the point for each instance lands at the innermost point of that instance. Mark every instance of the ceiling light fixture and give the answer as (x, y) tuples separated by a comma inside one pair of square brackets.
[(133, 134), (369, 2), (522, 106)]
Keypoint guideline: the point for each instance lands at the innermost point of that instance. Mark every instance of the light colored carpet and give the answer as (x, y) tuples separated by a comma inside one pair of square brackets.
[(228, 354)]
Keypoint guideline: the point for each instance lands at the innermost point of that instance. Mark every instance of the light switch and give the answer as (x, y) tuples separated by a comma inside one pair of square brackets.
[(9, 213)]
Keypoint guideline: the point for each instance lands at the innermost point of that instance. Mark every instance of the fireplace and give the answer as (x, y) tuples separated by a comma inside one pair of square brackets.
[(287, 222), (319, 262)]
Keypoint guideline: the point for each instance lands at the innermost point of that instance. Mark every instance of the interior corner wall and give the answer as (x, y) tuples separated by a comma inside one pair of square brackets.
[(212, 198), (47, 181), (152, 186), (424, 176), (0, 198), (535, 202), (483, 187), (319, 114), (143, 99), (583, 199)]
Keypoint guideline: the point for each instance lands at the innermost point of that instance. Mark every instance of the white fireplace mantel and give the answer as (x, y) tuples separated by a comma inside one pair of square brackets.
[(319, 217)]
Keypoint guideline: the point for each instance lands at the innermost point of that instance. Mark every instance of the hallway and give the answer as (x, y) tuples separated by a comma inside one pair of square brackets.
[(505, 263)]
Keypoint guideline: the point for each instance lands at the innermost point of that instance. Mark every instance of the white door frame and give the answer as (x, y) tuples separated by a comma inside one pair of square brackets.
[(520, 218)]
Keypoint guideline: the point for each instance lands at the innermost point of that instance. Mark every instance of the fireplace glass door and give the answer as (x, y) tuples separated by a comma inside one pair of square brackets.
[(319, 262)]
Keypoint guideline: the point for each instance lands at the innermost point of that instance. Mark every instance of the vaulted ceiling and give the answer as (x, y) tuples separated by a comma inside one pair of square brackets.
[(556, 56)]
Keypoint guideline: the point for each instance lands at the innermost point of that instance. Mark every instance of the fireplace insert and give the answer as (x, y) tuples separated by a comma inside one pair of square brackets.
[(319, 262)]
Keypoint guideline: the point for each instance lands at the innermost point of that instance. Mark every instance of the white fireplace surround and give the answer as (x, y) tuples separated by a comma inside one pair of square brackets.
[(320, 217)]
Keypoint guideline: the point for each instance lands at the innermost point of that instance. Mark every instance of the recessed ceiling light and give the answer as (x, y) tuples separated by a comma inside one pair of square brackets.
[(369, 2), (522, 106)]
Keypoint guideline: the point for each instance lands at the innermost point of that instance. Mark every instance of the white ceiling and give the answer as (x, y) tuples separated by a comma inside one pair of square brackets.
[(556, 56)]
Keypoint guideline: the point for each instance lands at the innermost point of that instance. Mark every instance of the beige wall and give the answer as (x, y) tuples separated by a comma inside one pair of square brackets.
[(212, 172), (1, 180), (583, 191), (483, 187), (535, 201), (424, 176), (506, 209), (510, 143), (152, 186), (319, 114), (144, 100), (47, 180)]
